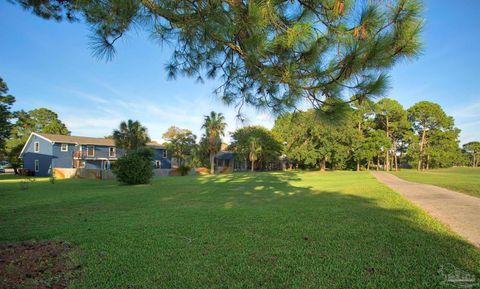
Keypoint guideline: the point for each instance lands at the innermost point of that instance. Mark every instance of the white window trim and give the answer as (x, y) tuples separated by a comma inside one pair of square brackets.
[(93, 149), (158, 164), (27, 144), (110, 150), (66, 147), (37, 166), (36, 147), (164, 154)]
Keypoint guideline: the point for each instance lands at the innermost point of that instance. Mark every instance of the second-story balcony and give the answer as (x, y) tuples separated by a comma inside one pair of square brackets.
[(97, 154), (83, 155)]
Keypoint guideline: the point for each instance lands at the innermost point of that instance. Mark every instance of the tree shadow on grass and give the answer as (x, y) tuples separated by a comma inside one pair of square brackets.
[(246, 230), (393, 237)]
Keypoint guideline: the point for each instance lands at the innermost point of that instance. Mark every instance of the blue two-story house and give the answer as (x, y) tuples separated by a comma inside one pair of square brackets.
[(44, 152)]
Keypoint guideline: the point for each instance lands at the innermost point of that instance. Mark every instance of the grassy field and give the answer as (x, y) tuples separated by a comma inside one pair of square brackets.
[(262, 230), (465, 180)]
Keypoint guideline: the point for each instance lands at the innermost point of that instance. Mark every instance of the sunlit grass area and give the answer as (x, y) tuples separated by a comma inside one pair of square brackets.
[(465, 180), (261, 230)]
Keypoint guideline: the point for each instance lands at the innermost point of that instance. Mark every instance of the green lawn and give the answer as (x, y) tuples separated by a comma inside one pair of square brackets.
[(262, 230), (465, 180)]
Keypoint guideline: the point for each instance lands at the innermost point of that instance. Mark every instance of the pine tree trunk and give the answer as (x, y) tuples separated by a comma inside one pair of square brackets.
[(387, 155), (212, 163), (359, 131), (368, 165), (474, 160), (422, 149), (428, 160), (386, 162), (378, 163), (395, 160)]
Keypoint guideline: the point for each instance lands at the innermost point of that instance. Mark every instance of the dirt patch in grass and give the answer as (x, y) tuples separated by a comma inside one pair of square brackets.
[(35, 264)]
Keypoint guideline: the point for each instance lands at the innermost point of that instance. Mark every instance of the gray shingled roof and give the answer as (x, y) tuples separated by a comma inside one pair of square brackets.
[(88, 140), (225, 155)]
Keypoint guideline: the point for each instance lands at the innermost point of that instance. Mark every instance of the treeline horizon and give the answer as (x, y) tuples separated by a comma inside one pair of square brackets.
[(376, 135), (362, 136)]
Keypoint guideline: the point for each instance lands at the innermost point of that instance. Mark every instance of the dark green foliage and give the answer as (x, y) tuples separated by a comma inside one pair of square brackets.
[(201, 153), (373, 146), (40, 120), (310, 141), (6, 102), (267, 54), (131, 135), (256, 142), (473, 151), (135, 168), (391, 117), (181, 144), (442, 150), (382, 134), (50, 9), (214, 125), (184, 169), (438, 137)]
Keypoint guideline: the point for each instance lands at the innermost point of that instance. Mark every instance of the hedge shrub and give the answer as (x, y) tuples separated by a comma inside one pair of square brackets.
[(136, 167)]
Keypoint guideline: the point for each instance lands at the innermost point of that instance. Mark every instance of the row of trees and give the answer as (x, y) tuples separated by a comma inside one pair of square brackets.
[(472, 149), (183, 147), (254, 146), (381, 134)]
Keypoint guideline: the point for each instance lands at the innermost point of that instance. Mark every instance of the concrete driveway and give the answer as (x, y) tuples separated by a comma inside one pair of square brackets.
[(459, 211)]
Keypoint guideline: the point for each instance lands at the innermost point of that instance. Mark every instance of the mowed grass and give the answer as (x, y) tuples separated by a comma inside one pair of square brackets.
[(465, 180), (261, 230)]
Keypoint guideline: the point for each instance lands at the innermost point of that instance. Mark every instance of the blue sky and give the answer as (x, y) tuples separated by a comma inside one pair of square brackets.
[(49, 64)]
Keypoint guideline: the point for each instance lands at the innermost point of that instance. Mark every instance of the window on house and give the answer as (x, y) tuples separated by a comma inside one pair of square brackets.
[(37, 165), (64, 147), (36, 147), (164, 153), (90, 151), (111, 152), (158, 164)]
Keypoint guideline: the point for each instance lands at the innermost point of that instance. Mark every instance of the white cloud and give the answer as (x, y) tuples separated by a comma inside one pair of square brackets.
[(102, 114), (467, 111), (467, 118)]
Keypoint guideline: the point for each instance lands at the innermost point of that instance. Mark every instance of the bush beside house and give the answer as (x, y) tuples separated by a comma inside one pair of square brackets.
[(135, 167)]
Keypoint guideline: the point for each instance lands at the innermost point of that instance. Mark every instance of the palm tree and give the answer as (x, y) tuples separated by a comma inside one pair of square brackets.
[(214, 125), (255, 150), (130, 135)]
